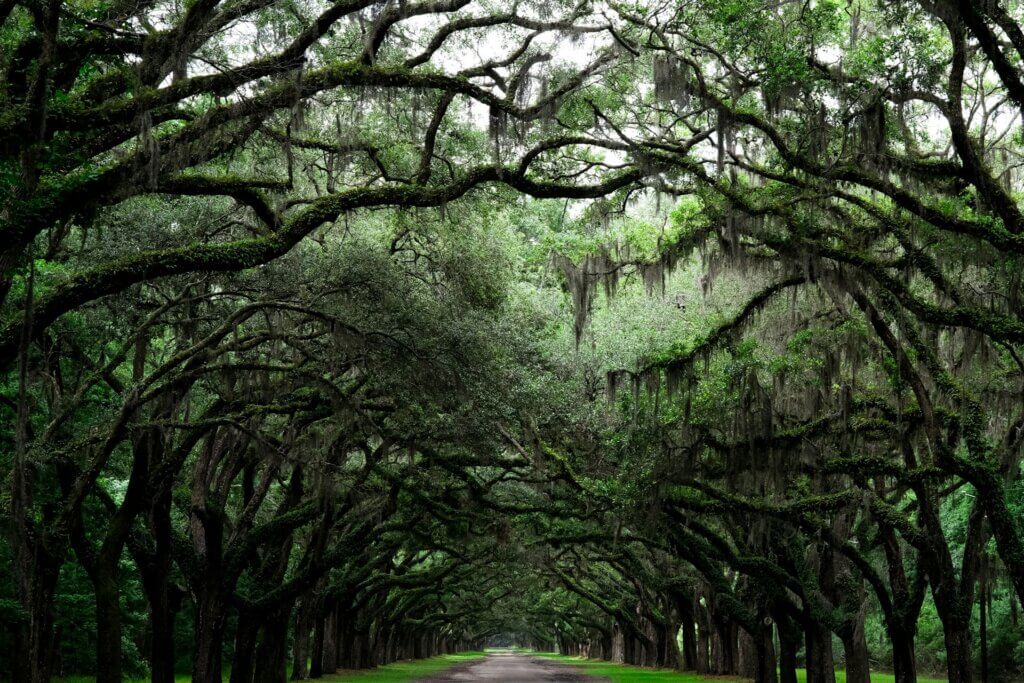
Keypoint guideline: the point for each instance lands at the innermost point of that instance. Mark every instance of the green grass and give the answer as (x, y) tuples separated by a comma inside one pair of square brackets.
[(183, 678), (623, 673), (401, 672), (876, 677)]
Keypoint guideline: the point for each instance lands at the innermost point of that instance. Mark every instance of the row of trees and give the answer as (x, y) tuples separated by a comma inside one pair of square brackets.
[(290, 384), (860, 446), (278, 468)]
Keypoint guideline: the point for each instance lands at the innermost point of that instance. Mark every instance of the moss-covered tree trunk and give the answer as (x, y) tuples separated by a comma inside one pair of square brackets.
[(855, 653), (818, 643)]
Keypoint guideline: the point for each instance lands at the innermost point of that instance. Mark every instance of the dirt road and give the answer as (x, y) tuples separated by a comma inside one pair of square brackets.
[(512, 668)]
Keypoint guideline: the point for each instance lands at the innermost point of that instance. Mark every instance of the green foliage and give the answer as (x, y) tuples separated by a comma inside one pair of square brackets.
[(342, 319)]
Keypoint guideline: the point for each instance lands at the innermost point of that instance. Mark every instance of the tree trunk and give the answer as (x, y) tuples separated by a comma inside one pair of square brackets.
[(363, 656), (820, 663), (904, 661), (386, 647), (245, 645), (957, 638), (649, 647), (347, 645), (161, 654), (983, 620), (855, 650), (34, 638), (316, 658), (746, 655), (765, 667), (163, 598), (788, 647), (372, 648), (148, 449), (723, 648), (300, 649), (703, 643), (209, 636), (108, 624), (272, 652), (330, 661), (689, 635)]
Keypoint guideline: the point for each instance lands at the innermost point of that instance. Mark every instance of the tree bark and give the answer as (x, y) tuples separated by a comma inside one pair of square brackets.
[(957, 637), (607, 652), (983, 619), (820, 663), (108, 624), (855, 650), (703, 641), (788, 647), (242, 664), (331, 647), (163, 598), (209, 635), (723, 647), (300, 648), (316, 657), (689, 635), (746, 655), (765, 668), (272, 651), (34, 637)]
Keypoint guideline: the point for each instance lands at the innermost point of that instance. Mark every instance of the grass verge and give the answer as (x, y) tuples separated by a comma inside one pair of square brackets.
[(624, 673), (399, 672)]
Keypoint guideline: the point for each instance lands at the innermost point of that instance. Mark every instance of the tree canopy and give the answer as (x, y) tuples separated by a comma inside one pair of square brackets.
[(684, 333)]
